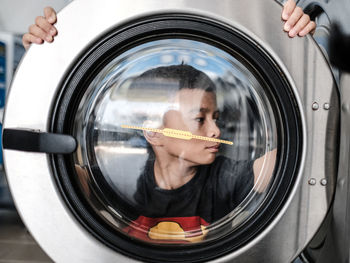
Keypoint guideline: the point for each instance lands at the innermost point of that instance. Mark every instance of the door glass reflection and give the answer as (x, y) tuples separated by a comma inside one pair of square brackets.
[(177, 142)]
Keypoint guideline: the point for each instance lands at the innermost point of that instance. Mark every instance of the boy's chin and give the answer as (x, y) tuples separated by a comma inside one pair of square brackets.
[(206, 161)]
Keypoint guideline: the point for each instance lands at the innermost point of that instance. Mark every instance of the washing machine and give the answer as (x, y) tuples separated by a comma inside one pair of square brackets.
[(173, 131)]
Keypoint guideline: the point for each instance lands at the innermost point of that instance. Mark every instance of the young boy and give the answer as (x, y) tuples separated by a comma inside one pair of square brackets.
[(184, 186)]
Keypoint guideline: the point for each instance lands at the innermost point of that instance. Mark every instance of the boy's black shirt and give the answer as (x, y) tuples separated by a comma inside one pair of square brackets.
[(212, 193)]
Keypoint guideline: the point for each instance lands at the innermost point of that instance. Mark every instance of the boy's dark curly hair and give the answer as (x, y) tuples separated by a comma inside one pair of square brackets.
[(178, 76)]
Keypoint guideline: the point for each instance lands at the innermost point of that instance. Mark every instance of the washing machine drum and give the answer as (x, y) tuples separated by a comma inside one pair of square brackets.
[(172, 131)]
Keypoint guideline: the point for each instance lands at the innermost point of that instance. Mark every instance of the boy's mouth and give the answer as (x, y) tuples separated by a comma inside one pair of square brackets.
[(213, 148)]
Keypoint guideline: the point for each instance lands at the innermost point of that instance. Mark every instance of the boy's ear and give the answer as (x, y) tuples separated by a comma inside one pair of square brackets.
[(154, 138)]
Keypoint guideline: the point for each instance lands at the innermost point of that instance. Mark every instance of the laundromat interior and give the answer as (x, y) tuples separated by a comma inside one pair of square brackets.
[(175, 131)]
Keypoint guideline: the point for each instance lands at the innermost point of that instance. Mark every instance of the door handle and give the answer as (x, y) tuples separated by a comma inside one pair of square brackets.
[(36, 141)]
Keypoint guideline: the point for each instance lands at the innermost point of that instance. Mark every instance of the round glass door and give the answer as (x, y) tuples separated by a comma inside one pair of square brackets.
[(177, 143), (188, 140)]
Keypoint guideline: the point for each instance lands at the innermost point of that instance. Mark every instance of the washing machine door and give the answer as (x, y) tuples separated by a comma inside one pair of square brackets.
[(172, 131)]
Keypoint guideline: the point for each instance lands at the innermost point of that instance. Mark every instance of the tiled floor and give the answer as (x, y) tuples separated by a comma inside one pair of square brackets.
[(16, 243)]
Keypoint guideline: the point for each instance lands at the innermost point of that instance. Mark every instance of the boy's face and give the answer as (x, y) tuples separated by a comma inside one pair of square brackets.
[(196, 112)]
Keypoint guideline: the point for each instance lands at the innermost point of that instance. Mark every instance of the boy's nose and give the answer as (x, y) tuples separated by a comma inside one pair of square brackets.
[(213, 130)]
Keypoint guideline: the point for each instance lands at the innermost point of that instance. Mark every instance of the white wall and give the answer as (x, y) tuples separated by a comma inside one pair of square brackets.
[(17, 15)]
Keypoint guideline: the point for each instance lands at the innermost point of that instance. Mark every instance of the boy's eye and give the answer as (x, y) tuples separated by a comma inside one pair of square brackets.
[(199, 119)]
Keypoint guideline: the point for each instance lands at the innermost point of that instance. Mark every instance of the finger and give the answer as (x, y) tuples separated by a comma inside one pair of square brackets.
[(42, 22), (299, 26), (288, 9), (40, 33), (293, 19), (309, 28), (50, 14), (27, 39)]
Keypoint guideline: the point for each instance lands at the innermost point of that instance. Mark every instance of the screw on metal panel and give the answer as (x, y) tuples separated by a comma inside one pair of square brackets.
[(312, 181), (315, 106), (324, 182), (326, 106), (345, 107)]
